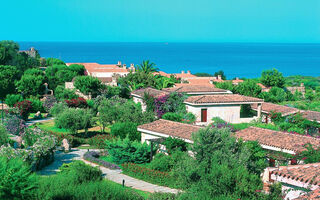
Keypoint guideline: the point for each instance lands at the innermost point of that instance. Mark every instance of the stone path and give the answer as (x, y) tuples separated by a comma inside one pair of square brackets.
[(113, 175), (30, 122)]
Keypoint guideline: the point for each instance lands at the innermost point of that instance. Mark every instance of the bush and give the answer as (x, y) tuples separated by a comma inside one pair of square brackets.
[(174, 144), (98, 141), (162, 196), (58, 108), (3, 136), (49, 103), (126, 129), (125, 151), (74, 119), (62, 93), (36, 105), (81, 172), (77, 103), (177, 117), (93, 156), (149, 175), (14, 124), (17, 181), (25, 107), (12, 99), (165, 163)]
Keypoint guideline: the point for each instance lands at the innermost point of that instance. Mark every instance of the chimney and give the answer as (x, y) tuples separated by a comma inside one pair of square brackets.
[(188, 72), (119, 63), (131, 65), (124, 66), (132, 68), (219, 77), (182, 72)]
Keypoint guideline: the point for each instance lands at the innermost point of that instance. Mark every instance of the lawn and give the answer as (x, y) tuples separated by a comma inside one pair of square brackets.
[(144, 194)]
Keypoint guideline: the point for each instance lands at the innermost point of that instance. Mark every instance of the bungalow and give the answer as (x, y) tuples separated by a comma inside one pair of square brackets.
[(298, 181), (164, 128), (225, 106), (191, 89), (267, 108), (311, 115), (138, 95), (277, 140)]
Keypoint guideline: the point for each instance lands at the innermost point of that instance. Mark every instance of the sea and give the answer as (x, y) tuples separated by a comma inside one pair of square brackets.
[(235, 59)]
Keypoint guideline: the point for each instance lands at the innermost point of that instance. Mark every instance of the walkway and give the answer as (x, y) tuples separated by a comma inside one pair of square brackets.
[(33, 121), (113, 175)]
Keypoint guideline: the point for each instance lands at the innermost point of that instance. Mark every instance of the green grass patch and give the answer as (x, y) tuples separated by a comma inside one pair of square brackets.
[(49, 126), (144, 194)]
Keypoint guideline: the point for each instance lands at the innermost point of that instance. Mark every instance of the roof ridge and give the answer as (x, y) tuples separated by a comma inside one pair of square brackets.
[(288, 133), (178, 123)]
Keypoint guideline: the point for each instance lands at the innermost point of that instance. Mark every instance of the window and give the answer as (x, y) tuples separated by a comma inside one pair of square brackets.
[(203, 115)]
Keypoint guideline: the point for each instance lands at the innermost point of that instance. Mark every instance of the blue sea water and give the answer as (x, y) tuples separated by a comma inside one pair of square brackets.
[(235, 59)]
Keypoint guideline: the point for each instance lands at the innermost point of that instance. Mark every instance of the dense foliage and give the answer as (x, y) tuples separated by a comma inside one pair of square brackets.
[(125, 129), (89, 85)]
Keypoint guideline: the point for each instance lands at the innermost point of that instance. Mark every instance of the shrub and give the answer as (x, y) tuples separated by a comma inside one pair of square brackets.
[(3, 136), (36, 105), (81, 172), (25, 108), (149, 175), (310, 155), (126, 129), (173, 144), (162, 196), (125, 151), (62, 93), (17, 181), (12, 99), (93, 156), (14, 124), (58, 108), (74, 119), (99, 140), (49, 102), (165, 163), (77, 103), (177, 117)]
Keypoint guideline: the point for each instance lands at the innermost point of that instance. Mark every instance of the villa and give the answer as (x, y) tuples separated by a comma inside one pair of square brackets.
[(277, 140), (267, 108), (165, 128), (298, 181), (191, 89), (225, 106)]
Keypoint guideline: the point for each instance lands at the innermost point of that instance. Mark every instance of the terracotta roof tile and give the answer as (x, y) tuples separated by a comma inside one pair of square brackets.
[(161, 73), (184, 75), (311, 115), (171, 128), (227, 98), (307, 173), (313, 195), (268, 107), (151, 91), (277, 139), (187, 88), (95, 67)]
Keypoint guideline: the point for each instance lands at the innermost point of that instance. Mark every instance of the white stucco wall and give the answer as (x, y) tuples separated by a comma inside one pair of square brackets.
[(146, 136), (107, 74), (140, 100), (229, 113)]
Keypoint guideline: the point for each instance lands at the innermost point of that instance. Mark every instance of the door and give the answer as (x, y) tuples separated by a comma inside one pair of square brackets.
[(203, 115)]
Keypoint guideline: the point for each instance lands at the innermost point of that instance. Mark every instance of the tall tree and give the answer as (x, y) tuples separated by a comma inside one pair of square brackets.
[(272, 78), (147, 67), (31, 85), (248, 88), (89, 85), (221, 73), (8, 75)]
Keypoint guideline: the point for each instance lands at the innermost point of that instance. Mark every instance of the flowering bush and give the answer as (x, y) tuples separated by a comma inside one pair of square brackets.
[(25, 108), (276, 116), (310, 155), (169, 103), (49, 102), (14, 124), (99, 140), (77, 103), (93, 156), (149, 175)]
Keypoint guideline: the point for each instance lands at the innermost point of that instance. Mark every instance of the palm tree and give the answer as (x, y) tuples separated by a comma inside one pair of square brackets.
[(147, 67)]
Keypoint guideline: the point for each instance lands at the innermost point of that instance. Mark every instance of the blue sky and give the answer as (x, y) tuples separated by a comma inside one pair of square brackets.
[(161, 20)]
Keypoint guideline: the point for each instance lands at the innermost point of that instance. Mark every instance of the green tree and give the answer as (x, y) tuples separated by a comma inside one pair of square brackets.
[(74, 119), (203, 74), (147, 67), (62, 93), (89, 85), (125, 129), (272, 78), (17, 181), (226, 85), (54, 61), (310, 95), (139, 79), (8, 75), (12, 99), (275, 95), (248, 88), (31, 85), (79, 69), (221, 73)]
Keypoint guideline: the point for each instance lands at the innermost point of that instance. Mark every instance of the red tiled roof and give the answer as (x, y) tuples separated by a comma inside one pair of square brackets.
[(307, 173), (311, 115), (236, 81), (268, 107), (279, 139), (171, 128), (187, 88), (161, 73), (151, 91), (262, 86), (220, 99), (184, 75), (95, 67), (313, 195)]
